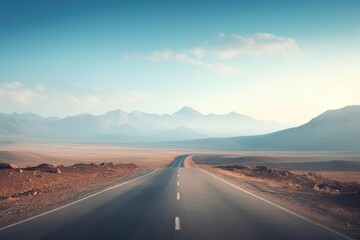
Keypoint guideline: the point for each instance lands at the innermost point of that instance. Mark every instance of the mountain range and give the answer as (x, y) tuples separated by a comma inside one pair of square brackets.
[(184, 124), (334, 130)]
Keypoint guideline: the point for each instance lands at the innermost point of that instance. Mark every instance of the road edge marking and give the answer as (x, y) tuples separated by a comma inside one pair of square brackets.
[(283, 208), (77, 201)]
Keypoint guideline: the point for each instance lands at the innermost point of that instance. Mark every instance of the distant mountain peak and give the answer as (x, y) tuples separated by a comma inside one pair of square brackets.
[(187, 112), (137, 113), (234, 114), (26, 116), (115, 113)]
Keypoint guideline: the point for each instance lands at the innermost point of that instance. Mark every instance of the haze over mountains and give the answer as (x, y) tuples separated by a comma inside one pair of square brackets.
[(184, 124), (337, 130), (334, 130)]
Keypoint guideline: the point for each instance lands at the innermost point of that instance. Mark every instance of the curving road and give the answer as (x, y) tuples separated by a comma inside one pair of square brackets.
[(170, 203)]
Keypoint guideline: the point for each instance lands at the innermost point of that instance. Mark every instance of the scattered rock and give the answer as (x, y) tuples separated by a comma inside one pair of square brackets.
[(309, 181), (45, 167), (109, 164), (8, 166)]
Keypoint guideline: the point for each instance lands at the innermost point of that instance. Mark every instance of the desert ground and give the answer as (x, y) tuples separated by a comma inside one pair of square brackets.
[(24, 155)]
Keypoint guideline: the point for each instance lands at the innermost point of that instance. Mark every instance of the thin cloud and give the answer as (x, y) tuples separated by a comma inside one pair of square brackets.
[(231, 46), (182, 57), (222, 68), (155, 56), (226, 47), (17, 93)]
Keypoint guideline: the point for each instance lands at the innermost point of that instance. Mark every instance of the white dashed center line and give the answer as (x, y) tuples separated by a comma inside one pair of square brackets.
[(178, 183), (178, 196), (177, 223), (178, 175)]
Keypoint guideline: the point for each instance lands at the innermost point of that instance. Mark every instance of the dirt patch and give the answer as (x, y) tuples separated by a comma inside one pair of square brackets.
[(29, 191)]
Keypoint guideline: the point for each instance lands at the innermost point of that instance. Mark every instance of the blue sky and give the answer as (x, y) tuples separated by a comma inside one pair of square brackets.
[(277, 60)]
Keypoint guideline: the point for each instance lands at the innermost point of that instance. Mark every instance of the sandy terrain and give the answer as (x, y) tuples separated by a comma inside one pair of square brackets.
[(25, 193), (66, 154), (336, 204)]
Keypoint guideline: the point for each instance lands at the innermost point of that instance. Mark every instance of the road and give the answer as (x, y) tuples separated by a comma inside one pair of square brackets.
[(170, 203)]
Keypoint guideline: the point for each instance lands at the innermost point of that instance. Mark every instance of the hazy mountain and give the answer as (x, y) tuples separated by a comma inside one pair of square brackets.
[(184, 124), (232, 124), (187, 113), (337, 130), (27, 124), (26, 116)]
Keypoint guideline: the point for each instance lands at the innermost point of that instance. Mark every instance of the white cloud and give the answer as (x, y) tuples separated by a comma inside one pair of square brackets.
[(225, 69), (17, 93), (156, 56), (227, 47), (169, 55), (12, 85), (235, 45)]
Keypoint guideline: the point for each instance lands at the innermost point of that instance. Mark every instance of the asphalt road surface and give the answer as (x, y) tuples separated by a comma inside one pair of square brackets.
[(170, 203)]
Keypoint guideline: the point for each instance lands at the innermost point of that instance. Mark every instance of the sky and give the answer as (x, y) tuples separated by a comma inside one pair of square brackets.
[(285, 61)]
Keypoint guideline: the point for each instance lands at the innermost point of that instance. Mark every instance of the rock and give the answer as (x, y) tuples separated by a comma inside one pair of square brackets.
[(45, 166), (260, 168), (8, 166), (51, 170), (109, 164), (19, 170)]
